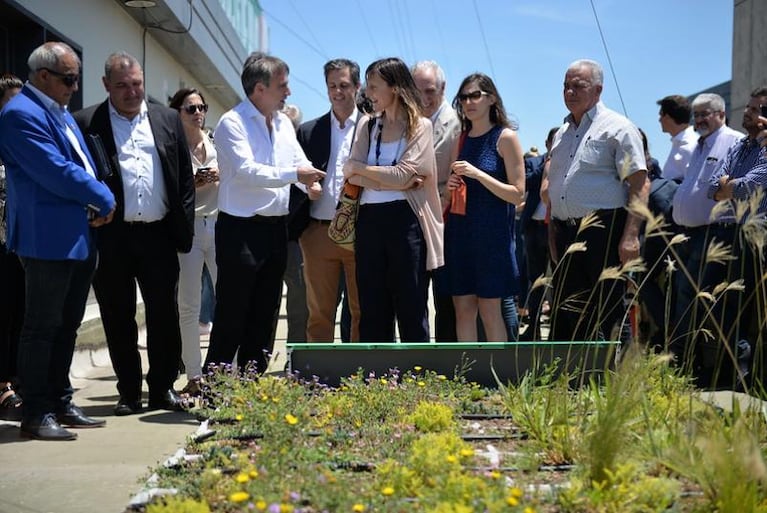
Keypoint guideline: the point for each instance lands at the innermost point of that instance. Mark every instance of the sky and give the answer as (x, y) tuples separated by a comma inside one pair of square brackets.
[(657, 48)]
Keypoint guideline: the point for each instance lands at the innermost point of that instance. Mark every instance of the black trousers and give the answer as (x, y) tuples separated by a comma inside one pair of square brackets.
[(585, 307), (251, 254), (141, 253), (537, 254), (391, 273), (11, 312)]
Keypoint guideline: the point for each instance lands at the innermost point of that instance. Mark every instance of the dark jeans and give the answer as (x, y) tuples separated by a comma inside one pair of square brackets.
[(251, 253), (537, 254), (390, 253), (444, 310), (585, 307), (143, 254), (56, 294), (730, 318), (11, 312)]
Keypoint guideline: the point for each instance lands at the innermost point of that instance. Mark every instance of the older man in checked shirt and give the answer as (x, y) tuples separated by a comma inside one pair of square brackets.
[(739, 186), (597, 168)]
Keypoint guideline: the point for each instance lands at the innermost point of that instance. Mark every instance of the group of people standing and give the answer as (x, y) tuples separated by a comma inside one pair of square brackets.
[(129, 193)]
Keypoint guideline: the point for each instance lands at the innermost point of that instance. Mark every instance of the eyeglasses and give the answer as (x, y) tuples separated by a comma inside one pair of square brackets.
[(191, 109), (68, 79), (473, 96), (704, 114)]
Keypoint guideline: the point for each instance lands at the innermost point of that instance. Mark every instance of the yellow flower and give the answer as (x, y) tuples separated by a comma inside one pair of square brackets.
[(383, 381), (467, 452), (358, 508), (512, 501), (239, 497), (495, 474), (418, 368), (253, 474), (238, 417), (421, 384), (451, 459), (286, 508), (388, 490), (242, 477), (261, 505), (264, 397), (291, 419), (275, 400), (528, 510), (442, 377)]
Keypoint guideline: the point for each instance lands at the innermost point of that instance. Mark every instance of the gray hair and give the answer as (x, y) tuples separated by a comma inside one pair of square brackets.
[(260, 67), (712, 100), (597, 75), (439, 74), (294, 113), (120, 60), (48, 56)]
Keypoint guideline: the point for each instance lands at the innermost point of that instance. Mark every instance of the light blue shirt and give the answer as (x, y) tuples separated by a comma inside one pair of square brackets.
[(692, 206)]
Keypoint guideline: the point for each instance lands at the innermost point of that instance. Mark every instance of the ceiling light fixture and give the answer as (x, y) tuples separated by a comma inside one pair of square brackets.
[(140, 3)]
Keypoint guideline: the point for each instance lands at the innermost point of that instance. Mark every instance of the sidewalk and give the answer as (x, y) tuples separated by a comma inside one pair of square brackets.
[(104, 467)]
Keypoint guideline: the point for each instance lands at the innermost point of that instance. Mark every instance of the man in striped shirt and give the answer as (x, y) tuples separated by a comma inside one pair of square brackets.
[(739, 188)]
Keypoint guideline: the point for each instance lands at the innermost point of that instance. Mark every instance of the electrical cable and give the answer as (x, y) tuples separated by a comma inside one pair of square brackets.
[(296, 34), (306, 25), (609, 59), (484, 41)]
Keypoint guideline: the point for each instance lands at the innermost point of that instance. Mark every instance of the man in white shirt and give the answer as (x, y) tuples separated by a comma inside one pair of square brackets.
[(327, 142), (259, 157), (674, 118), (149, 170), (430, 80), (692, 213)]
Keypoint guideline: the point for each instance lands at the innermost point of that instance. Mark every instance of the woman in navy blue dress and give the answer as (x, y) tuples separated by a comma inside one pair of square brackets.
[(479, 245)]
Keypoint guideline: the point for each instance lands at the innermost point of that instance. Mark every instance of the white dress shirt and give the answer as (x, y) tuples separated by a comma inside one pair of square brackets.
[(60, 113), (256, 165), (340, 148), (682, 146), (692, 206), (145, 198)]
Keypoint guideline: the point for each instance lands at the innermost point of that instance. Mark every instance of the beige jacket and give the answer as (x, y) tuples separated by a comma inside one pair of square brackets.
[(417, 159)]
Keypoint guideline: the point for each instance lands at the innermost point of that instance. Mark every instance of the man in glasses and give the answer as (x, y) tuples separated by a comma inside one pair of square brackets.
[(54, 198), (597, 169), (692, 213), (430, 81), (740, 187), (149, 170)]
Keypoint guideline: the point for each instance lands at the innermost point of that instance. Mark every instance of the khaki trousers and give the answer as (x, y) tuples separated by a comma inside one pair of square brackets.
[(324, 260)]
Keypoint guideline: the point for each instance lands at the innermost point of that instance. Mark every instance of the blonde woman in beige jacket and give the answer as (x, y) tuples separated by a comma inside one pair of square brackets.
[(399, 228)]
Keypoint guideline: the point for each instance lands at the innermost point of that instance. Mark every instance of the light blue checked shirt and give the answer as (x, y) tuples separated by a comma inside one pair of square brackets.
[(746, 165)]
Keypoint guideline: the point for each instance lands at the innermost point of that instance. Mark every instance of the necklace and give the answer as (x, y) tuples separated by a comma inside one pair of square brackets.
[(378, 145)]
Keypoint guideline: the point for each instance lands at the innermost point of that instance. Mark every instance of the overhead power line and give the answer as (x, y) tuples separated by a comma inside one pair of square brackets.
[(609, 59), (484, 40), (296, 34)]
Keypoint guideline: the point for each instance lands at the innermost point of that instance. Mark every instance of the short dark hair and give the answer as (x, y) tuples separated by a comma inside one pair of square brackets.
[(7, 82), (759, 91), (677, 107), (260, 67), (178, 99), (339, 64)]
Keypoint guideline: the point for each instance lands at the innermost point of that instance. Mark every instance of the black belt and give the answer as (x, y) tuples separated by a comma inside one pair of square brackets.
[(321, 221)]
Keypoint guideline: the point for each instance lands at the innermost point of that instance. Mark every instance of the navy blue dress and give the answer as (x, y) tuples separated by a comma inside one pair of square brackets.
[(479, 246)]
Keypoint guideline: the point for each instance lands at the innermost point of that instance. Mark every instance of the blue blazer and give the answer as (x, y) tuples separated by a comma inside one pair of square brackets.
[(49, 191)]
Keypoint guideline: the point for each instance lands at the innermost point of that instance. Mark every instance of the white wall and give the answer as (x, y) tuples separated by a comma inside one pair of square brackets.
[(102, 27)]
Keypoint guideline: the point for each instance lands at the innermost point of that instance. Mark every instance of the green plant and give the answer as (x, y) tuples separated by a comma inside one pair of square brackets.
[(430, 417), (178, 505)]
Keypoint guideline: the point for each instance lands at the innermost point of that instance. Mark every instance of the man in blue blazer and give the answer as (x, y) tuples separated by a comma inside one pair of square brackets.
[(54, 199)]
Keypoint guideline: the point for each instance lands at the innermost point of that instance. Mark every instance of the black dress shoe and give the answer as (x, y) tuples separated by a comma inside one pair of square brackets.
[(46, 429), (74, 417), (169, 400), (125, 407)]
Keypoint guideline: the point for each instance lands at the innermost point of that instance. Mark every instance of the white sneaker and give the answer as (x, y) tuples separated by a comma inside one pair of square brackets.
[(205, 328)]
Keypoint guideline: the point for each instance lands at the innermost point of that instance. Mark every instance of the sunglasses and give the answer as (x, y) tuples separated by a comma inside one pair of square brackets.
[(68, 79), (473, 96), (191, 109)]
